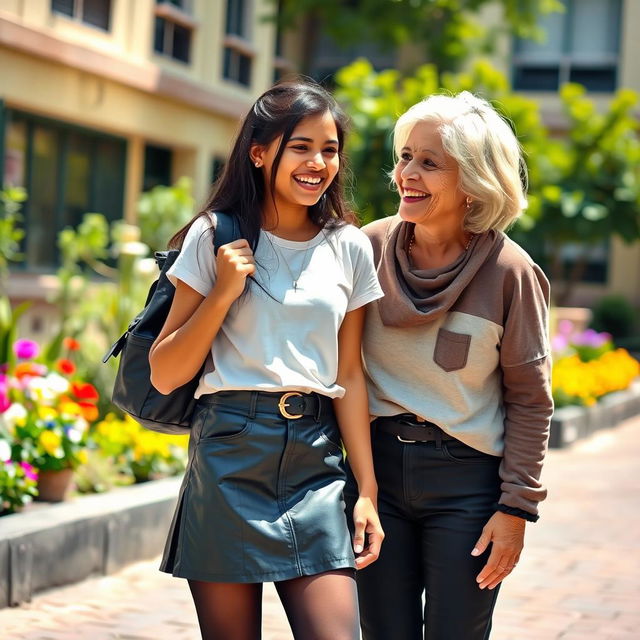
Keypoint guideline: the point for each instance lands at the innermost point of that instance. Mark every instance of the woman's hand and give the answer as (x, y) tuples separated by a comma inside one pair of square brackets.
[(234, 263), (366, 521), (506, 535)]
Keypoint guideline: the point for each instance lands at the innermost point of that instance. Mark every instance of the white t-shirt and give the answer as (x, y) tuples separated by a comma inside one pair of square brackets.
[(290, 343)]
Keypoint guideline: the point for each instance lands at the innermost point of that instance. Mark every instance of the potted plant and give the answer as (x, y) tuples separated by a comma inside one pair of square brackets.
[(17, 480), (47, 414)]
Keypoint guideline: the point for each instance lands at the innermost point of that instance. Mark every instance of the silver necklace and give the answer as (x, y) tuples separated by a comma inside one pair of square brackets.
[(294, 279)]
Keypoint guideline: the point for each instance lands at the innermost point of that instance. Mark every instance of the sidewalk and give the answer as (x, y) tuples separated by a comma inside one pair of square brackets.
[(578, 578)]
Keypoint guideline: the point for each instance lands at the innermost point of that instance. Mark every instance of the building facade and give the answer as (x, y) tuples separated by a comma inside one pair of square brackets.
[(103, 99)]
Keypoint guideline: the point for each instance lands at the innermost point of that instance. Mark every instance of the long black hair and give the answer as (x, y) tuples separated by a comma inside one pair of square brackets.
[(241, 190)]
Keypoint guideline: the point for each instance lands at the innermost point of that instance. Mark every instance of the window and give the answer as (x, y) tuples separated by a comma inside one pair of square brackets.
[(217, 167), (281, 66), (237, 66), (157, 166), (582, 45), (94, 12), (66, 172), (238, 51), (174, 28)]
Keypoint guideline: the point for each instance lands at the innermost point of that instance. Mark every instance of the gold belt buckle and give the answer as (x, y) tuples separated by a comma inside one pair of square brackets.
[(282, 405)]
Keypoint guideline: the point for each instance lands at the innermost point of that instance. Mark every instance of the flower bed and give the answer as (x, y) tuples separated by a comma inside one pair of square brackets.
[(49, 422), (594, 384)]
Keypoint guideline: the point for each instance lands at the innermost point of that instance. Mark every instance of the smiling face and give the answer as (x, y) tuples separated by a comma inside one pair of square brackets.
[(308, 164), (427, 179)]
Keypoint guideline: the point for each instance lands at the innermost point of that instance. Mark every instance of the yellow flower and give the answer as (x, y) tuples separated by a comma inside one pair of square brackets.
[(50, 441), (588, 381), (82, 456), (47, 413), (70, 408)]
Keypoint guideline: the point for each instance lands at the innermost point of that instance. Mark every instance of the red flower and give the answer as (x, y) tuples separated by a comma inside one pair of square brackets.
[(84, 391), (89, 411), (66, 366), (71, 344)]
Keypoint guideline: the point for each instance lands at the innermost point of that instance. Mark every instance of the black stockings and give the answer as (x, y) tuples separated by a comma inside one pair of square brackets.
[(319, 607), (228, 611)]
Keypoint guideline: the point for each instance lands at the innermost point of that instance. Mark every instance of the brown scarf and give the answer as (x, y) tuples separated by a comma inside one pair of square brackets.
[(416, 296)]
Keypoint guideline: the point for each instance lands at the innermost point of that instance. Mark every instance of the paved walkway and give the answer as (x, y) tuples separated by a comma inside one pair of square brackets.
[(578, 579)]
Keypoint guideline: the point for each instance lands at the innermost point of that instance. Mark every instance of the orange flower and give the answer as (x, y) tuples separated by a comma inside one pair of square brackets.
[(84, 391), (89, 411), (71, 344), (66, 366), (29, 369)]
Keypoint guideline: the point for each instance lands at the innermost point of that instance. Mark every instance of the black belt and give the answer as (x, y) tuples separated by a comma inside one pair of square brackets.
[(409, 428), (289, 404)]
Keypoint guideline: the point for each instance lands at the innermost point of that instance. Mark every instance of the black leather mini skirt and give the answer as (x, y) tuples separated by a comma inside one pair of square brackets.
[(261, 499)]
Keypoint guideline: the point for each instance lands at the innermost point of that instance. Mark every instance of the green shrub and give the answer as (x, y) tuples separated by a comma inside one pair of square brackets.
[(615, 315)]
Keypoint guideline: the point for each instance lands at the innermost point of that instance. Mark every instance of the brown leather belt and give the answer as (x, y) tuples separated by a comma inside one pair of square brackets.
[(409, 428)]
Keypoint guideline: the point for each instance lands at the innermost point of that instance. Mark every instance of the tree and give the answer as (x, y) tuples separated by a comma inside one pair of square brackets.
[(591, 190), (163, 210), (446, 28), (583, 187)]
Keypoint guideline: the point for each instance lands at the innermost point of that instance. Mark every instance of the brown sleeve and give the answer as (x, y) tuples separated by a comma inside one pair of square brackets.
[(527, 397)]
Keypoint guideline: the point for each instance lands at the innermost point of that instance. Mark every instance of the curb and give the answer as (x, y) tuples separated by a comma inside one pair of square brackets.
[(572, 423), (51, 545)]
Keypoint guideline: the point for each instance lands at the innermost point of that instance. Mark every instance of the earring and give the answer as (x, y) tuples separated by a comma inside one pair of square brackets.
[(257, 163), (468, 202)]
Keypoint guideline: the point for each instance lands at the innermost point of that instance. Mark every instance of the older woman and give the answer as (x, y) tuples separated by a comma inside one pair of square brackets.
[(458, 368)]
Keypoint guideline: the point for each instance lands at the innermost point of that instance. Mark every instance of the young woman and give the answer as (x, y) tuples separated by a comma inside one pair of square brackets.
[(463, 406), (277, 317)]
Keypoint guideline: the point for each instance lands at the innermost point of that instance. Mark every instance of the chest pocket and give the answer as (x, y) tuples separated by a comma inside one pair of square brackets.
[(451, 350)]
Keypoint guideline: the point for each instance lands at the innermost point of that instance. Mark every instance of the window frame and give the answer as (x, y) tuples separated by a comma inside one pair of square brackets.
[(62, 130), (173, 16), (77, 14), (567, 63), (239, 45)]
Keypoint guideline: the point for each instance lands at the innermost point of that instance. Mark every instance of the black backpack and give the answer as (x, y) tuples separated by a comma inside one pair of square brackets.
[(132, 390)]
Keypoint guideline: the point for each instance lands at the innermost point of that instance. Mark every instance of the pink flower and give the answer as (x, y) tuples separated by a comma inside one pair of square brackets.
[(29, 471), (26, 349), (559, 343), (591, 338), (5, 403)]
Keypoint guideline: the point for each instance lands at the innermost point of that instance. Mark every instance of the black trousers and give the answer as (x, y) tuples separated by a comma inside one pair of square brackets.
[(433, 500)]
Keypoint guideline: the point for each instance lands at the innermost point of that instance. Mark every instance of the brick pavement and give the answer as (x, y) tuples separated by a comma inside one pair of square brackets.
[(578, 579)]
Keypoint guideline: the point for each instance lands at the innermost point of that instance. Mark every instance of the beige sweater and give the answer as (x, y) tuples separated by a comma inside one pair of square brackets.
[(476, 363)]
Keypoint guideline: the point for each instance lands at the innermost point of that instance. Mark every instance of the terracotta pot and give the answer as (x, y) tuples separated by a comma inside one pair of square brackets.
[(53, 486)]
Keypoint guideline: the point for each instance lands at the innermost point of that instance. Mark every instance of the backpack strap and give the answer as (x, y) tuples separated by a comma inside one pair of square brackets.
[(227, 230)]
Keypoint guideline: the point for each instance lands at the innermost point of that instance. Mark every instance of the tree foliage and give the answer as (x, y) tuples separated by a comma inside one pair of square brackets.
[(11, 232), (584, 187), (163, 210)]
